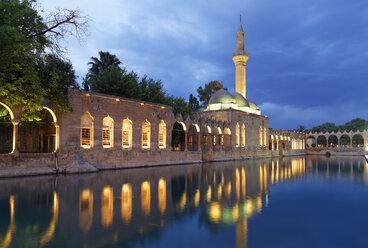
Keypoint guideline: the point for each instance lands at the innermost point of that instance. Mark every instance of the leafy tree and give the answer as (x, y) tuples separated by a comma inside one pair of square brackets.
[(24, 36), (117, 82), (193, 102), (301, 128), (355, 125), (152, 91), (56, 76), (105, 61), (179, 105), (209, 89)]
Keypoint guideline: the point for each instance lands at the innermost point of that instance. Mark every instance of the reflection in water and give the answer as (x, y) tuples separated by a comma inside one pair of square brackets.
[(126, 202), (107, 206), (86, 210), (146, 198), (48, 235), (162, 195), (221, 194), (8, 236)]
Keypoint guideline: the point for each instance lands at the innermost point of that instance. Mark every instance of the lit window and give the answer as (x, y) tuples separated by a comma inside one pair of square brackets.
[(146, 135), (127, 133), (260, 137), (162, 135), (107, 132), (214, 140), (243, 135), (264, 136), (237, 138), (205, 141), (190, 140), (86, 137)]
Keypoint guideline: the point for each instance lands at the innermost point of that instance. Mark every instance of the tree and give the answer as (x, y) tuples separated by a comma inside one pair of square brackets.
[(193, 103), (24, 36), (209, 89), (355, 125), (117, 82), (301, 128), (56, 76), (152, 91)]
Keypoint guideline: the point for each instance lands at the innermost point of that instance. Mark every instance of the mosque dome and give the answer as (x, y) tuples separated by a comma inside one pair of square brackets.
[(253, 105), (240, 100), (222, 97)]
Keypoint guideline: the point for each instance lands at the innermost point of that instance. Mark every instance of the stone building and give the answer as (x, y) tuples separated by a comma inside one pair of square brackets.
[(106, 132)]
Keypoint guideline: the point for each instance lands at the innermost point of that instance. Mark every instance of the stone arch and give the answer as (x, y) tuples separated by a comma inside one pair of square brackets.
[(162, 135), (227, 139), (193, 137), (321, 141), (108, 132), (7, 128), (311, 140), (217, 136), (206, 137), (345, 141), (39, 136), (333, 141), (357, 140), (146, 135), (127, 133), (270, 142), (87, 130), (178, 136)]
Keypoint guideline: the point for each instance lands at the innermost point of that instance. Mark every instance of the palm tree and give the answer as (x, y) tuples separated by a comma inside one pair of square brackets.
[(105, 61)]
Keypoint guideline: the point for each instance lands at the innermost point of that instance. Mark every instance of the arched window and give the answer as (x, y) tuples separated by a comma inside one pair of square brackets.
[(146, 135), (243, 135), (86, 131), (127, 133), (260, 137), (264, 136), (237, 136), (162, 135), (107, 132)]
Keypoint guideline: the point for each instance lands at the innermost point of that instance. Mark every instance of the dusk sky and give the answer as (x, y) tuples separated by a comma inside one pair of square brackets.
[(308, 60)]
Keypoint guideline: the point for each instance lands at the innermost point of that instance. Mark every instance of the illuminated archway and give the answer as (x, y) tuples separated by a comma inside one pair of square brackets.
[(358, 140), (321, 141), (107, 132), (227, 139), (146, 135), (345, 141), (127, 133), (178, 137), (193, 137), (7, 128), (87, 131), (162, 135), (333, 141)]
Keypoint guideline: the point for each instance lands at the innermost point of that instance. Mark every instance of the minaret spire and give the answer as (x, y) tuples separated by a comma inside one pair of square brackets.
[(240, 58)]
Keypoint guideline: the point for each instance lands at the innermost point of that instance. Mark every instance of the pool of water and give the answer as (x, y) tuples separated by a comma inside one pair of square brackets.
[(289, 202)]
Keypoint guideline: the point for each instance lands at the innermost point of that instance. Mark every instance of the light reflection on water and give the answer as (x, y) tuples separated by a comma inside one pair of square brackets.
[(121, 207)]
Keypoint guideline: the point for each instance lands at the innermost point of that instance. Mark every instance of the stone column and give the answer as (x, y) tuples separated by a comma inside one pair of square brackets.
[(15, 150), (186, 141)]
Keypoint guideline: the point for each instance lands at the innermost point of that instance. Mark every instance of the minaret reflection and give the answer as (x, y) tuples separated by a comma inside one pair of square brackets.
[(48, 235), (86, 210), (107, 206), (146, 198), (162, 195), (126, 202), (242, 233)]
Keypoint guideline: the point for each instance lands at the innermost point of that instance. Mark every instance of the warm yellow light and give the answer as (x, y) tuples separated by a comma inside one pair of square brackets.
[(182, 202), (197, 197), (86, 210), (249, 207), (162, 195), (215, 212), (126, 202), (228, 189), (146, 198), (237, 183), (107, 206), (235, 213), (209, 194), (243, 183), (259, 204), (48, 235), (219, 192)]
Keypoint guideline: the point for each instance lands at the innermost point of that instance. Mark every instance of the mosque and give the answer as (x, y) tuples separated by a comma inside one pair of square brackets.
[(109, 132)]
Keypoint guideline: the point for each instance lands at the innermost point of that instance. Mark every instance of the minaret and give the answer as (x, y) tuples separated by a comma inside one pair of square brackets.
[(240, 58)]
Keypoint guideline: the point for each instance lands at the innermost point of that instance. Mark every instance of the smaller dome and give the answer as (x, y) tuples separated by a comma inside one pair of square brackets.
[(240, 100), (222, 96), (252, 105)]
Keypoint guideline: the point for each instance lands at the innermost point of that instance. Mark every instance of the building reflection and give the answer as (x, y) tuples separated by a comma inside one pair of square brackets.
[(222, 194), (107, 206), (86, 210), (126, 202)]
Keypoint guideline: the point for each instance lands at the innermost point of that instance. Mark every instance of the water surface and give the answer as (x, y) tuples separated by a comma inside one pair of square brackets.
[(290, 202)]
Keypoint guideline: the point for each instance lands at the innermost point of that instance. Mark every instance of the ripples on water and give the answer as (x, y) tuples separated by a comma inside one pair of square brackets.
[(290, 202)]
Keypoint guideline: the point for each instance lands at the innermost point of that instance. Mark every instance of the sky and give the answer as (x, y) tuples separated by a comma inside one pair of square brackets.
[(308, 60)]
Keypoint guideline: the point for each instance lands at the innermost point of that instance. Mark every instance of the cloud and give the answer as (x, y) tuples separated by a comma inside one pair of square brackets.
[(292, 116)]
